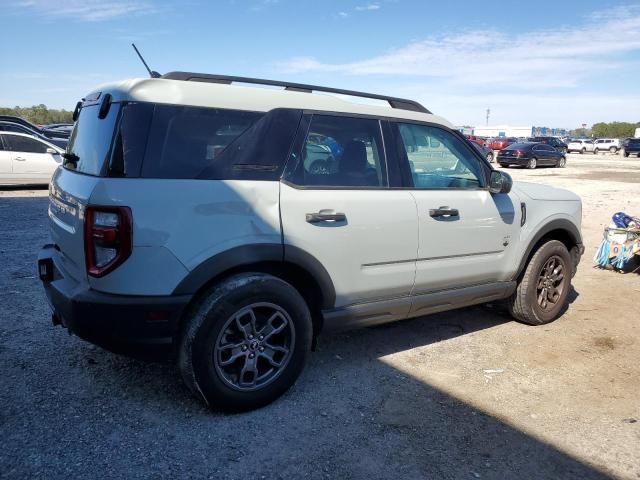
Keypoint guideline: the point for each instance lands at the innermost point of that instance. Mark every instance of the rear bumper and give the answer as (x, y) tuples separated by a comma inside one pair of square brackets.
[(123, 324)]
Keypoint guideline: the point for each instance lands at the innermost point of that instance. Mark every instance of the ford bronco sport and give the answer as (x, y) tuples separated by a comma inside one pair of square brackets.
[(230, 225)]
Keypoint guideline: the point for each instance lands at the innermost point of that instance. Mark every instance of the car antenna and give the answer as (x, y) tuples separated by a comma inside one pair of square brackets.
[(152, 73)]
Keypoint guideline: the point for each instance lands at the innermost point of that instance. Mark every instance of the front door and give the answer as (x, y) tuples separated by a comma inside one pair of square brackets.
[(464, 231), (336, 206)]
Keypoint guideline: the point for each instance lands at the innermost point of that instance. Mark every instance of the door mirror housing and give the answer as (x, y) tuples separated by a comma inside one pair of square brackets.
[(500, 182), (51, 151)]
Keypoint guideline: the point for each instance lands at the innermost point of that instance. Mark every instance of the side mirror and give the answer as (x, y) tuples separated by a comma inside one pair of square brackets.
[(500, 182), (52, 151)]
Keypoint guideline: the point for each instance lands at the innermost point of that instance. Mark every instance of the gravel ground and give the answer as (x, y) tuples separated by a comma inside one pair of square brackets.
[(466, 394)]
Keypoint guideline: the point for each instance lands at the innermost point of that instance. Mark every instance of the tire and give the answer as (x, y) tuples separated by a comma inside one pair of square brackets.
[(504, 165), (613, 150), (532, 163), (234, 315), (626, 154), (524, 305), (595, 151), (562, 163), (582, 152), (490, 157)]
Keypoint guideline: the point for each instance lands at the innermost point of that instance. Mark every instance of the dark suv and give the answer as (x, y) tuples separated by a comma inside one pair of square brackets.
[(553, 141), (631, 145)]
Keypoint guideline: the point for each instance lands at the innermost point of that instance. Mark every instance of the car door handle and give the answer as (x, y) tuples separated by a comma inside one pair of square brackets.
[(443, 212), (325, 216), (20, 159)]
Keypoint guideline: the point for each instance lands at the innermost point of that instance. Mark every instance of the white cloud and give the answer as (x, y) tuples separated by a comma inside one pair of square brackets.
[(343, 14), (87, 10), (536, 59), (369, 7)]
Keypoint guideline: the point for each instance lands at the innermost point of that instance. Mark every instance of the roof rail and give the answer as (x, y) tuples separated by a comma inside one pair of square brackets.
[(399, 103)]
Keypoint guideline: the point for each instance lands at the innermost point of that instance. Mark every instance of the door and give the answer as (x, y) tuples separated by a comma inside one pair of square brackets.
[(5, 163), (31, 159), (541, 153), (336, 206), (464, 231)]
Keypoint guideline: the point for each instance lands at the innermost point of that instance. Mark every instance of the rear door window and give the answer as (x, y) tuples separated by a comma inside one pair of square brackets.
[(340, 151)]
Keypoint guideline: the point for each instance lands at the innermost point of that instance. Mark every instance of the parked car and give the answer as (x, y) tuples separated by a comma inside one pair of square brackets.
[(58, 130), (607, 145), (553, 141), (531, 155), (501, 142), (477, 140), (30, 126), (631, 145), (27, 160), (10, 126), (580, 145), (483, 150), (238, 254)]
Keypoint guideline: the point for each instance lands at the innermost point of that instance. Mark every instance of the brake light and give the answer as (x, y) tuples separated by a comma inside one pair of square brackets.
[(520, 153), (108, 238)]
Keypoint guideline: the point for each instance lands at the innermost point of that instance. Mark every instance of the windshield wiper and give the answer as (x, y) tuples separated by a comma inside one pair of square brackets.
[(71, 158)]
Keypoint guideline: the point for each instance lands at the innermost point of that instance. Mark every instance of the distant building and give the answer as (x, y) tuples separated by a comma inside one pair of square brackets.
[(513, 131)]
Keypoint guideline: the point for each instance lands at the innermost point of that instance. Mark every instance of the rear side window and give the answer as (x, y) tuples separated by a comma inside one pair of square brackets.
[(183, 141), (16, 143), (340, 151)]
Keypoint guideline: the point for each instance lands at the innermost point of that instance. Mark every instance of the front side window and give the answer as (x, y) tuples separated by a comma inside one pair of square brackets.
[(438, 159), (341, 151), (17, 143)]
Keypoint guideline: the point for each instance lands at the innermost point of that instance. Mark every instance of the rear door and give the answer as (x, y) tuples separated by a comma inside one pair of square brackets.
[(464, 231), (337, 207)]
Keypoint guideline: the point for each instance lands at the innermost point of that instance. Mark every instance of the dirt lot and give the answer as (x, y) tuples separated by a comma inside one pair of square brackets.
[(467, 394)]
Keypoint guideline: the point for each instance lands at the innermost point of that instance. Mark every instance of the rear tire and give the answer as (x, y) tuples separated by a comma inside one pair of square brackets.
[(595, 151), (532, 163), (541, 294), (582, 152), (245, 342), (613, 150)]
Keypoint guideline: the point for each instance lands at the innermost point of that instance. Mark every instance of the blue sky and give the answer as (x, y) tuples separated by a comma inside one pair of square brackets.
[(533, 63)]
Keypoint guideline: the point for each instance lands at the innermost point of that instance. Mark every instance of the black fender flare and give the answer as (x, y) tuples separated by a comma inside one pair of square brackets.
[(557, 224), (246, 255)]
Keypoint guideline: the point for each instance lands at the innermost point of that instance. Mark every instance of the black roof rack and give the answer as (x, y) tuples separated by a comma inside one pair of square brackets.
[(400, 103)]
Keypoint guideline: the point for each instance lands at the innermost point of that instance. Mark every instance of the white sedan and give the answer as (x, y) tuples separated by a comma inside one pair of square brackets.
[(26, 160)]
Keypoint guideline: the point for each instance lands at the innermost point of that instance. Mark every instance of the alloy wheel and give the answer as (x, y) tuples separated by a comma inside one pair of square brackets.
[(551, 283), (254, 346)]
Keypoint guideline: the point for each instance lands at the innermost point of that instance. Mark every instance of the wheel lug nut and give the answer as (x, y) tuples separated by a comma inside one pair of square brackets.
[(250, 337), (260, 337), (251, 355), (244, 348), (262, 349)]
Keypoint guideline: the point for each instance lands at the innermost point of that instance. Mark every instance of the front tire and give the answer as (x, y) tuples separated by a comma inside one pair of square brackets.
[(562, 162), (245, 342), (541, 294), (583, 151)]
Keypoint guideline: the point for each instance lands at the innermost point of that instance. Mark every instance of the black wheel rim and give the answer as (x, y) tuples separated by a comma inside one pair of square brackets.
[(254, 346), (551, 283)]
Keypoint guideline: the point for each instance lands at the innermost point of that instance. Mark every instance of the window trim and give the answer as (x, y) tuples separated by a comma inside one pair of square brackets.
[(300, 140), (34, 139), (403, 162)]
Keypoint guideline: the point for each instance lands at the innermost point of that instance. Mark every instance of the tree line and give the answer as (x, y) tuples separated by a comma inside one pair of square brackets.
[(607, 130), (39, 114)]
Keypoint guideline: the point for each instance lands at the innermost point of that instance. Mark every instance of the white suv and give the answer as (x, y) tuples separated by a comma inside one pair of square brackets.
[(232, 224), (607, 145), (581, 145)]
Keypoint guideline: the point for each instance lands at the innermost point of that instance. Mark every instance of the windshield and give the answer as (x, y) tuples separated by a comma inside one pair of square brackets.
[(90, 141)]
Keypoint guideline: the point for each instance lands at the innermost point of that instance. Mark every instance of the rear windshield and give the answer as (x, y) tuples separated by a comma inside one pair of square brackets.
[(90, 141)]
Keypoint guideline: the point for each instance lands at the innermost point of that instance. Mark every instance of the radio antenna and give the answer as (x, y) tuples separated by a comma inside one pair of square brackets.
[(152, 73)]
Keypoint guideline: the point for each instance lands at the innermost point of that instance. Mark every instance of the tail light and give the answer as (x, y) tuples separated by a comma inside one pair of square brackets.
[(108, 238), (520, 153)]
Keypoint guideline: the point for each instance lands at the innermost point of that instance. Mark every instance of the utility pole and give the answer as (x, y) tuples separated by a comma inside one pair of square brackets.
[(488, 112)]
